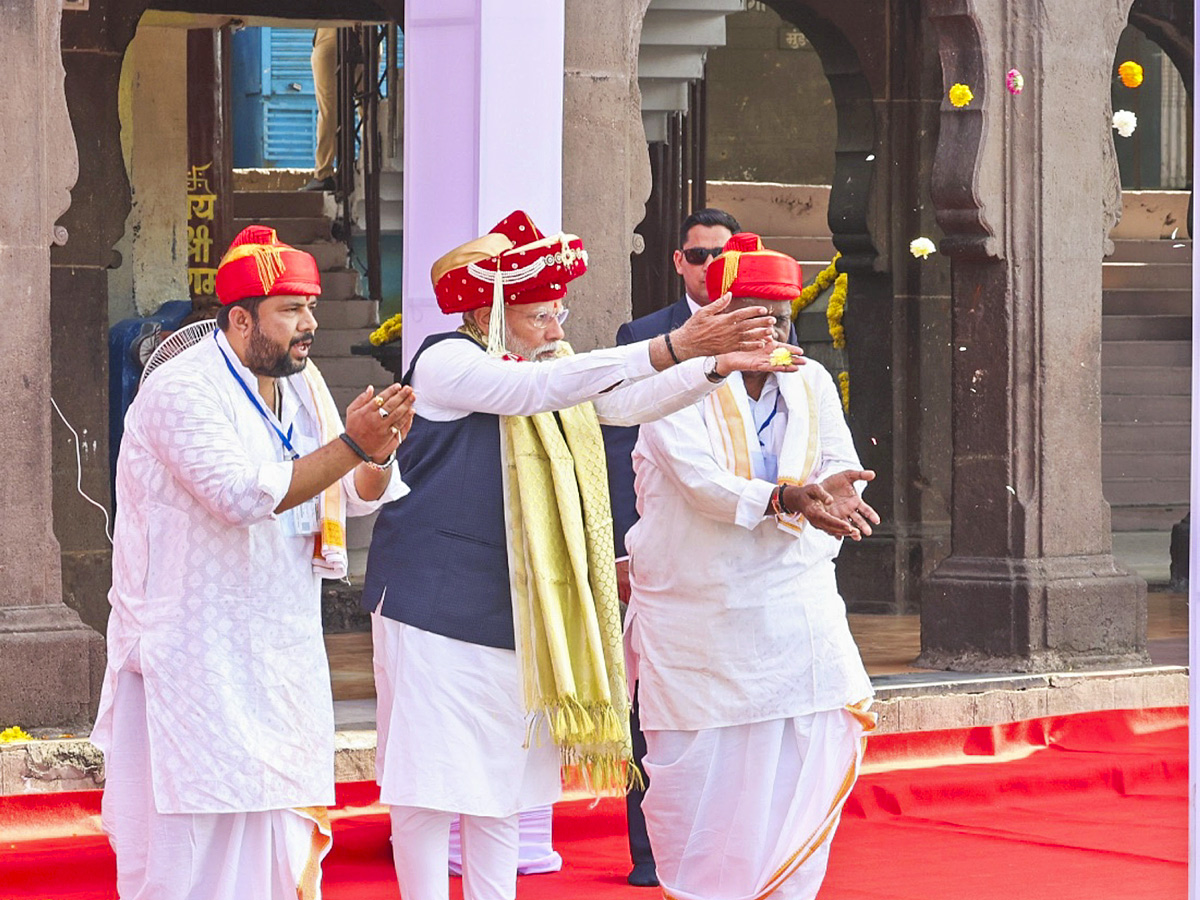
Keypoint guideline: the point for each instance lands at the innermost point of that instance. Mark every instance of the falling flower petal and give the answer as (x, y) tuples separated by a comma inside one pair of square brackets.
[(1015, 81), (960, 95), (1125, 122), (922, 247), (1131, 73)]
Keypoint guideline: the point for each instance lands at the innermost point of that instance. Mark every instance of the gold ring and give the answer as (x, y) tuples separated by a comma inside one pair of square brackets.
[(379, 401)]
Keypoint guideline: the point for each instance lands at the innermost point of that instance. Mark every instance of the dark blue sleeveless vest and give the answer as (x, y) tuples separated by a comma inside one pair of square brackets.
[(440, 552)]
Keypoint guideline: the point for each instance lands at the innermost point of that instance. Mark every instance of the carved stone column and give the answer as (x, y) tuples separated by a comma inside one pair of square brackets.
[(606, 165), (1026, 190), (50, 663)]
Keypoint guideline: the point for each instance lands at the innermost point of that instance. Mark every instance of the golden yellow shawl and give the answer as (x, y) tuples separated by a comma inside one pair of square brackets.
[(564, 589)]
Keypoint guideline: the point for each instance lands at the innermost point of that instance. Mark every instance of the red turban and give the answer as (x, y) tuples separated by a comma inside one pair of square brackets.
[(746, 269), (258, 264), (533, 268)]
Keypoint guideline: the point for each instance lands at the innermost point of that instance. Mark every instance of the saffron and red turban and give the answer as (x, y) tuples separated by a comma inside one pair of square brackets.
[(258, 264), (746, 269), (531, 267)]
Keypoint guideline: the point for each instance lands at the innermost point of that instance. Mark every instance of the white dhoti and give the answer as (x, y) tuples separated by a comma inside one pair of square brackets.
[(453, 738), (268, 855), (746, 811)]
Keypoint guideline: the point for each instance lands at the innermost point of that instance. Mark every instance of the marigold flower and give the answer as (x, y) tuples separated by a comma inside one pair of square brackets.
[(1131, 73), (1125, 122), (960, 95), (13, 734), (780, 356), (921, 247), (1015, 81)]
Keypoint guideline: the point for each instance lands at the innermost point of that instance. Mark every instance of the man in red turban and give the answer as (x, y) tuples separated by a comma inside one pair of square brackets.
[(752, 694), (492, 584), (234, 480)]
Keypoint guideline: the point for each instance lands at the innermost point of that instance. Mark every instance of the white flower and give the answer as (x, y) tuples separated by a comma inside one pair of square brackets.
[(1125, 122), (922, 247)]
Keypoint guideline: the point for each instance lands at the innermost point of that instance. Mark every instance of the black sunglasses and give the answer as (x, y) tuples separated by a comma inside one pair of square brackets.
[(697, 255)]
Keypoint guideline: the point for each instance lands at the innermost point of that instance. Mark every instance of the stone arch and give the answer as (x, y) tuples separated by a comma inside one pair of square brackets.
[(857, 135)]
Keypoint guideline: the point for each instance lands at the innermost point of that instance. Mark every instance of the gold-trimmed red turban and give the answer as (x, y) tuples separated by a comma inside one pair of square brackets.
[(531, 267), (746, 269), (258, 264)]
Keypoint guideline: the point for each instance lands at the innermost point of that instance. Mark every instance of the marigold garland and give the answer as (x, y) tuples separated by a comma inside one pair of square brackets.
[(960, 94), (13, 734), (1131, 73), (844, 389), (820, 284), (387, 331), (835, 312)]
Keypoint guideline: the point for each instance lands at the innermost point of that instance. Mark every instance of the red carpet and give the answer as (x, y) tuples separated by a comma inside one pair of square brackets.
[(1069, 808)]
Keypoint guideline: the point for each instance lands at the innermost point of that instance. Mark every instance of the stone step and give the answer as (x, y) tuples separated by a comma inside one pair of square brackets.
[(1145, 380), (1145, 408), (1133, 353), (270, 179), (292, 230), (351, 312), (337, 341), (1147, 518), (803, 248), (338, 284), (1146, 328), (353, 372), (278, 204), (1157, 464), (1119, 437), (1147, 275), (1151, 251), (328, 254), (1147, 491), (1156, 302)]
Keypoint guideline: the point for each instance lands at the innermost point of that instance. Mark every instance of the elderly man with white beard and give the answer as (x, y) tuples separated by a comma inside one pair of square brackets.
[(492, 584)]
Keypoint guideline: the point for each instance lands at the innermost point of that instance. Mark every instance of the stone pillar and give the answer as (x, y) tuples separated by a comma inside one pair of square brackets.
[(1026, 190), (483, 136), (50, 663), (606, 164), (93, 44)]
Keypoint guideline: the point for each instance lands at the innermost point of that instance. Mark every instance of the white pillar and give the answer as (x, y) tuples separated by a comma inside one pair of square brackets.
[(1194, 549), (483, 100)]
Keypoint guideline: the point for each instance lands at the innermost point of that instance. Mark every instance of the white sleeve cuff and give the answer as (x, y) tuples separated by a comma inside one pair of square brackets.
[(751, 508), (274, 479)]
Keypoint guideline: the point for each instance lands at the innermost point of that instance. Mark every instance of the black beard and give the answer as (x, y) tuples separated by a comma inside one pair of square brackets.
[(263, 356)]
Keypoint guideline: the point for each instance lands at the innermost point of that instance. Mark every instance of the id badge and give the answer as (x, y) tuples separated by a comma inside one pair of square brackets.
[(303, 519)]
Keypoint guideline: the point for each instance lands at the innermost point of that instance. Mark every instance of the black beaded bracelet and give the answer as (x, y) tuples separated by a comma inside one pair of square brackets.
[(671, 349)]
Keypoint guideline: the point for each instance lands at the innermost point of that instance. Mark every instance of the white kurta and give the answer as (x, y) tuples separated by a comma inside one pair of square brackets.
[(731, 619), (213, 601), (458, 744)]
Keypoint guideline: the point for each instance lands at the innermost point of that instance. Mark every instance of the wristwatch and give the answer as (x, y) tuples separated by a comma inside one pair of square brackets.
[(710, 370)]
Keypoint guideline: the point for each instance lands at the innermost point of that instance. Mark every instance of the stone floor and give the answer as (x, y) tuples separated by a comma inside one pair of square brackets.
[(889, 647)]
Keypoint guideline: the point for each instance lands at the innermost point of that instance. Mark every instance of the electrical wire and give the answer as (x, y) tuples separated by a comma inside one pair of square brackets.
[(79, 472)]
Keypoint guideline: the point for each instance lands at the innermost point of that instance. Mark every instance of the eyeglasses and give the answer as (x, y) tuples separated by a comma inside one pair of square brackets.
[(697, 255), (542, 320)]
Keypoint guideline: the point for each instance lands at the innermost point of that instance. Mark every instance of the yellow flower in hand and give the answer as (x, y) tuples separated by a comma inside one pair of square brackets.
[(780, 356), (960, 95)]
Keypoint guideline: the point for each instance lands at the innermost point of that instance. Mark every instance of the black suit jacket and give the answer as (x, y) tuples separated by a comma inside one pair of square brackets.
[(618, 442)]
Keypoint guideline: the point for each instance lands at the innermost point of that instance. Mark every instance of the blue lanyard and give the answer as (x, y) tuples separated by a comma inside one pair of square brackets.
[(763, 426), (285, 439)]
